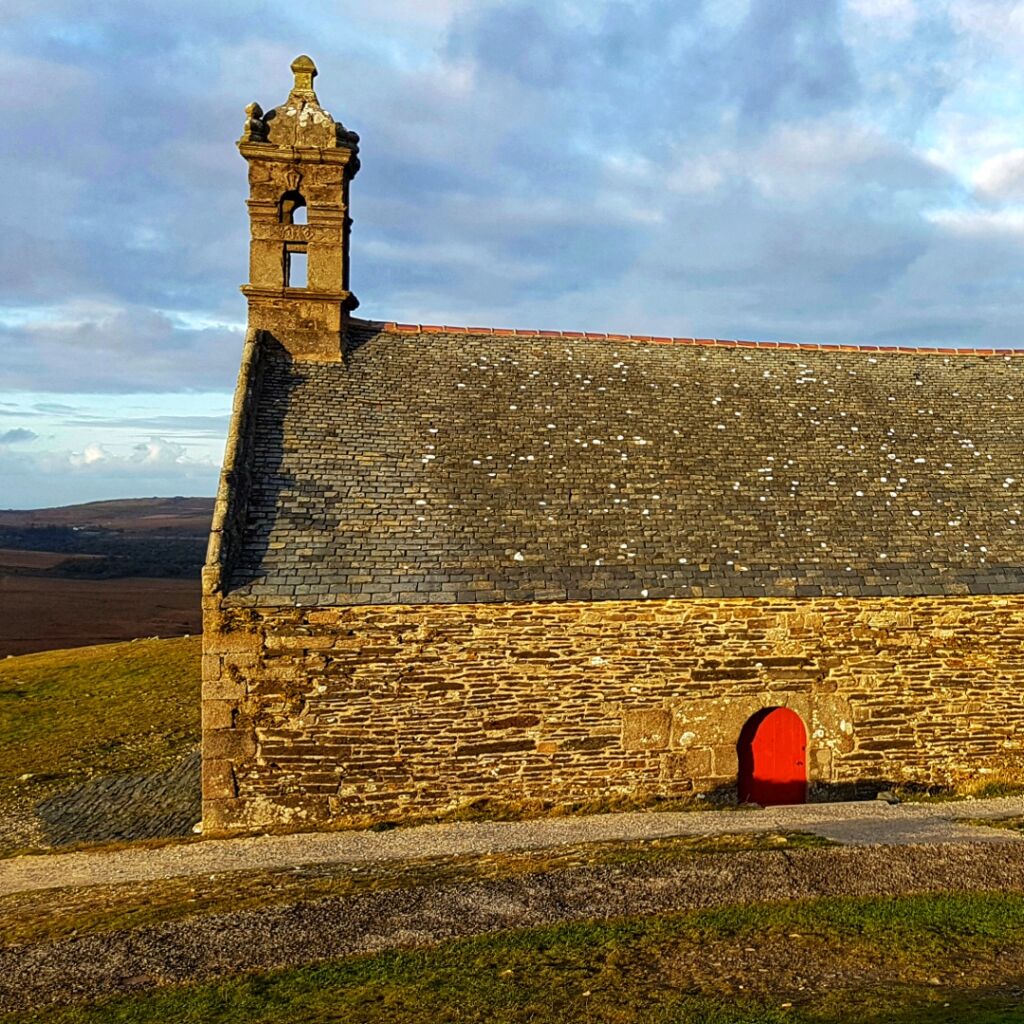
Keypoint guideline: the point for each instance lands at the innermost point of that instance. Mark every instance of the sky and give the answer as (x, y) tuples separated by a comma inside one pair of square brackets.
[(800, 170)]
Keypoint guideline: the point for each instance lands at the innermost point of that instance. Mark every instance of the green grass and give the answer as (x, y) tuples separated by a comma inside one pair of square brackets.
[(1000, 787), (923, 794), (112, 709), (1014, 823), (914, 960)]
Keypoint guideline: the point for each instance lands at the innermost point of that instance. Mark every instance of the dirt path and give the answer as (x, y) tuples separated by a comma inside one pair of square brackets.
[(857, 823), (212, 945)]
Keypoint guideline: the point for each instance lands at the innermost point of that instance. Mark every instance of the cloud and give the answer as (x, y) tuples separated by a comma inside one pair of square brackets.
[(984, 224), (156, 453), (655, 61), (1002, 176), (199, 425), (17, 435), (814, 160), (991, 23), (92, 455), (103, 345), (893, 16), (53, 408), (801, 64)]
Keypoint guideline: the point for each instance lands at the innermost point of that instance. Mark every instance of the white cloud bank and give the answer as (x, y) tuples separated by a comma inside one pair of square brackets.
[(156, 467)]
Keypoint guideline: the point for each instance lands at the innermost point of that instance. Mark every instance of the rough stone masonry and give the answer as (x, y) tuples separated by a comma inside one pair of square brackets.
[(453, 563)]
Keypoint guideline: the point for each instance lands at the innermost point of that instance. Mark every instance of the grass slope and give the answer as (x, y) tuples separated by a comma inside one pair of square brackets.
[(114, 709), (924, 959)]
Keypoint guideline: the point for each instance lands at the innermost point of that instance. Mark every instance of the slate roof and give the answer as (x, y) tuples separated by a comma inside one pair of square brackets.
[(438, 466)]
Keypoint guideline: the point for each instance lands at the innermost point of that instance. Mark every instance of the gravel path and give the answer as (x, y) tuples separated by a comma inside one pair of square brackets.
[(858, 823), (206, 946)]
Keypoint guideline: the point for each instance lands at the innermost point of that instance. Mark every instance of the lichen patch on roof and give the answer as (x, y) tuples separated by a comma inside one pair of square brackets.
[(441, 466)]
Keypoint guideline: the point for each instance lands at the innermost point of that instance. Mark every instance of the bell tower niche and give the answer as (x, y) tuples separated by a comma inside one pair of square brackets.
[(300, 164)]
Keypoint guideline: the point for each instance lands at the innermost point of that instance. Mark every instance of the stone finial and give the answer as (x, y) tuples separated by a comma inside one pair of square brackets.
[(305, 71), (255, 129)]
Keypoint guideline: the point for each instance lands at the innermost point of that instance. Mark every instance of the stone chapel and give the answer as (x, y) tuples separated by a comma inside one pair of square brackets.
[(460, 563)]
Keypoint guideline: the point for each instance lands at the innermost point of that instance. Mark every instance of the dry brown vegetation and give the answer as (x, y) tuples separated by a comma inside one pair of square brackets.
[(100, 572), (40, 613)]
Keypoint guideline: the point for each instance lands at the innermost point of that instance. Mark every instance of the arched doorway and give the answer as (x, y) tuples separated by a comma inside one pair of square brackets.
[(772, 752)]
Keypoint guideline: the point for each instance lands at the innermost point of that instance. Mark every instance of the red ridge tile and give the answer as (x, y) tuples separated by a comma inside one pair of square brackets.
[(392, 325)]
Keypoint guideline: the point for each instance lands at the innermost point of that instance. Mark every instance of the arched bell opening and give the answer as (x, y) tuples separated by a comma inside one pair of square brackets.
[(292, 208)]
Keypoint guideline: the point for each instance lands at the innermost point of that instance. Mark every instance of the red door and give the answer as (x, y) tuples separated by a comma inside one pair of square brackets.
[(773, 759)]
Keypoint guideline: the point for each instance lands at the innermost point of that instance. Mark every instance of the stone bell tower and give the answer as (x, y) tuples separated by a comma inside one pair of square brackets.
[(300, 164)]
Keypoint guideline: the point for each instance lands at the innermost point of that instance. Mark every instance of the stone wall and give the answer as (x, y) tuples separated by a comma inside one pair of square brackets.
[(358, 713)]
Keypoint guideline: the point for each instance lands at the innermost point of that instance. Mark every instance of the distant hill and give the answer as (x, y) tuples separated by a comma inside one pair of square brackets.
[(101, 571), (174, 515), (155, 537)]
